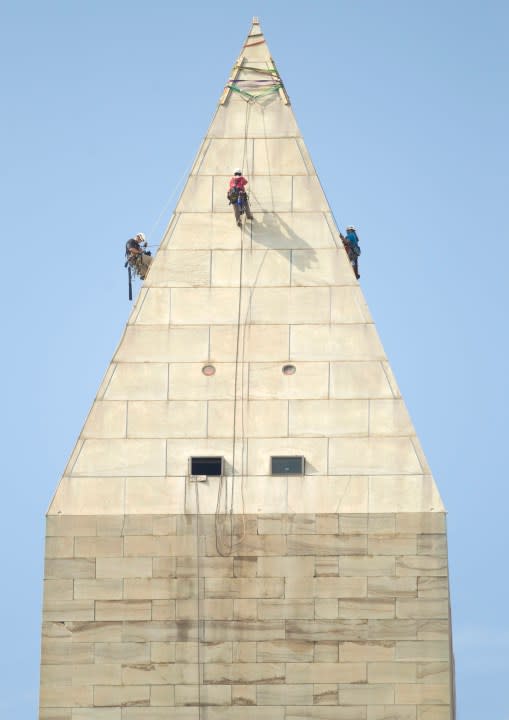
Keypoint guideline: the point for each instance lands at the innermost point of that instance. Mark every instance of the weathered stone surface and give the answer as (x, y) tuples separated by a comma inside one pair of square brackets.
[(160, 631), (392, 587), (392, 629), (239, 587), (422, 694), (392, 544), (122, 652), (285, 651), (71, 525), (422, 650), (367, 651), (153, 588), (392, 712), (434, 712), (433, 588), (422, 608), (342, 672), (243, 694), (392, 672), (70, 568), (61, 651), (57, 590), (98, 589), (162, 695), (326, 609), (435, 673), (159, 713), (244, 673), (61, 610), (366, 694), (324, 694), (367, 608), (60, 547), (159, 674), (56, 713), (135, 567), (326, 713), (419, 565), (66, 696), (245, 630), (420, 522), (285, 566), (121, 696), (288, 609), (327, 630), (206, 695), (326, 651), (97, 713), (123, 610), (245, 609), (95, 631), (301, 694), (327, 544), (367, 566)]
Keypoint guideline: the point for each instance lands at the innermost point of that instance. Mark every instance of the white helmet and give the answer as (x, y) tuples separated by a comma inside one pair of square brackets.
[(141, 236), (350, 227), (237, 172)]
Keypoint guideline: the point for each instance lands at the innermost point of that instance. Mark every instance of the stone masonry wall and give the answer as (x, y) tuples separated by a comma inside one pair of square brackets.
[(319, 617)]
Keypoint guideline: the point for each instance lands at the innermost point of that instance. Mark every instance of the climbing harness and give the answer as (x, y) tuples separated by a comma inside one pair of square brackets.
[(135, 266), (240, 201)]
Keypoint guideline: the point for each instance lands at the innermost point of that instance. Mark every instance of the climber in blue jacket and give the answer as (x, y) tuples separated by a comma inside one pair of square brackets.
[(351, 243)]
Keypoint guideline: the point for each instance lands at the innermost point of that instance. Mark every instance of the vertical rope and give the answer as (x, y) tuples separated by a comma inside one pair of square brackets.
[(236, 381), (239, 326), (198, 614), (223, 547)]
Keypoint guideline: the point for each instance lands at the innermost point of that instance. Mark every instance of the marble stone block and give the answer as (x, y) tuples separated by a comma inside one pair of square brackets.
[(138, 381), (343, 672)]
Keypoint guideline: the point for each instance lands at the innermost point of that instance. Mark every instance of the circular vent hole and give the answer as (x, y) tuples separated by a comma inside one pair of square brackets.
[(208, 370), (289, 369)]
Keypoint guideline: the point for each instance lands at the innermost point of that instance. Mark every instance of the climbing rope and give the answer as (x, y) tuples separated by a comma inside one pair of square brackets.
[(336, 228), (225, 499), (199, 634), (225, 545), (241, 327), (262, 71), (168, 201), (236, 383), (264, 86), (258, 42), (276, 87)]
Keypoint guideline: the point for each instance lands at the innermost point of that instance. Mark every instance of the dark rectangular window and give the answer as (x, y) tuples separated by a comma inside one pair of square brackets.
[(287, 465), (206, 466)]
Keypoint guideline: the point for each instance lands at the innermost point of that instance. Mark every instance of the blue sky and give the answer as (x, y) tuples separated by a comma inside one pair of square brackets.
[(404, 108)]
